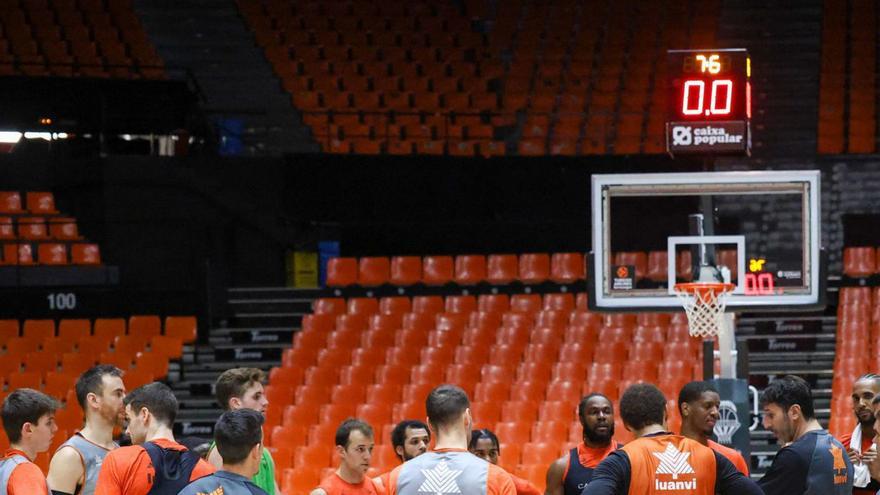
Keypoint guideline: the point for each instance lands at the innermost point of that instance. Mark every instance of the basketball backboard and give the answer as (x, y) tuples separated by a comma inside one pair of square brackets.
[(760, 230)]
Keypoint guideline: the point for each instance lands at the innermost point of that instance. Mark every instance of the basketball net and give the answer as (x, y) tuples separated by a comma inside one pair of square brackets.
[(704, 304)]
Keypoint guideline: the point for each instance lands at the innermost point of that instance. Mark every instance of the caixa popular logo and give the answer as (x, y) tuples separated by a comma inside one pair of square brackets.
[(684, 137)]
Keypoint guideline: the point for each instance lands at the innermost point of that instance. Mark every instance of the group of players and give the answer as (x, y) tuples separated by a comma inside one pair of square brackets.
[(463, 460)]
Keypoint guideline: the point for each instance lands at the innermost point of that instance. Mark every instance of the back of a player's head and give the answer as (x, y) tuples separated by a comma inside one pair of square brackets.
[(25, 405), (343, 433), (157, 398), (398, 434), (788, 391), (872, 378), (446, 404), (236, 434), (235, 382), (582, 405), (486, 433), (92, 382), (692, 392), (642, 405)]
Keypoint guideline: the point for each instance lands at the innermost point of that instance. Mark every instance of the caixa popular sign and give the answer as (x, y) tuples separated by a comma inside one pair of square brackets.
[(705, 137)]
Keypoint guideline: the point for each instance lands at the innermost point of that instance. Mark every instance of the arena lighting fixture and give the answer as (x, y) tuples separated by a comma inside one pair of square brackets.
[(10, 137)]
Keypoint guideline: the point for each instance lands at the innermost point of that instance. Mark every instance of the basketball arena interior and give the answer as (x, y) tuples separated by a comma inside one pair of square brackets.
[(367, 200)]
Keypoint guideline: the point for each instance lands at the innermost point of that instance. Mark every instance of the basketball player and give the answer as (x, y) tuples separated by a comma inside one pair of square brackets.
[(239, 436), (410, 439), (658, 461), (484, 444), (569, 474), (449, 468), (155, 463), (811, 460), (75, 465), (860, 443), (239, 388), (354, 444), (29, 422), (699, 404)]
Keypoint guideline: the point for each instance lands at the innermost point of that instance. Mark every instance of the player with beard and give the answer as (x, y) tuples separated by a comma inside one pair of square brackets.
[(75, 466), (699, 404), (410, 439), (569, 474), (860, 443), (485, 445)]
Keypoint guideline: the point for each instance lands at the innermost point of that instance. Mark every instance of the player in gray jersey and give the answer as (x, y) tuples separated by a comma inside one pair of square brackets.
[(239, 438), (75, 466)]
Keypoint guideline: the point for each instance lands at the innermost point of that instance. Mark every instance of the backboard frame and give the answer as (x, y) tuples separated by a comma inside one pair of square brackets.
[(805, 182)]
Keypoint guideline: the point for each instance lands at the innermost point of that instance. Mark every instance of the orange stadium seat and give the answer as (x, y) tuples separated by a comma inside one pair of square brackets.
[(10, 202), (41, 203), (329, 305), (501, 268), (859, 261), (394, 304), (406, 270), (437, 270), (534, 268), (342, 272), (38, 329), (72, 329), (373, 271), (181, 327), (470, 269), (85, 254), (493, 303), (460, 304), (8, 329)]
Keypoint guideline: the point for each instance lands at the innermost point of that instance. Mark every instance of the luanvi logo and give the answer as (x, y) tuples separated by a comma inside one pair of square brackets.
[(674, 462)]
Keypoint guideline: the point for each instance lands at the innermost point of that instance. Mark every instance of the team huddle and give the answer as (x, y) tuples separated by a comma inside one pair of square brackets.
[(463, 460)]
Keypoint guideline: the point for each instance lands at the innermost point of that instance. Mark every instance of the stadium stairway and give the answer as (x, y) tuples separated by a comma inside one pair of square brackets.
[(231, 71), (784, 77), (778, 345), (262, 324)]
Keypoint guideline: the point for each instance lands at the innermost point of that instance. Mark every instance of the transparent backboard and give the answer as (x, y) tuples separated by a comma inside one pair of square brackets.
[(757, 230)]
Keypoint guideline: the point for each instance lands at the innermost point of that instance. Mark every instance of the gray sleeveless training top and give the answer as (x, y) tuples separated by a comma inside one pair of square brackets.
[(92, 457), (443, 472), (6, 468)]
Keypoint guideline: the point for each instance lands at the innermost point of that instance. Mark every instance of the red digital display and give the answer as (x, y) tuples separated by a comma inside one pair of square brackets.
[(709, 85)]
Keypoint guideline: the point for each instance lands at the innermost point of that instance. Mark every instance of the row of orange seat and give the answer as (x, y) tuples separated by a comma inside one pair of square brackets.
[(38, 203), (68, 38), (544, 60), (463, 269), (854, 348), (847, 78), (49, 253), (39, 228)]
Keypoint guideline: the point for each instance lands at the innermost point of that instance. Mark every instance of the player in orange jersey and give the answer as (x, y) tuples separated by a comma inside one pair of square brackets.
[(155, 463), (699, 404), (29, 422), (569, 474), (658, 461), (484, 444), (410, 438), (354, 444)]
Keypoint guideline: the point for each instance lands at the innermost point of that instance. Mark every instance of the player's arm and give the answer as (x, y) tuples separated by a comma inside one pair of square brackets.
[(215, 458), (27, 479), (554, 476), (611, 476), (786, 475), (730, 481), (65, 471)]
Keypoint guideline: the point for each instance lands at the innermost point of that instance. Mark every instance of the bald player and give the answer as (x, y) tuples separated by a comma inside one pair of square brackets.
[(569, 474), (75, 466), (700, 407), (29, 423), (449, 468), (354, 444), (860, 443), (658, 461)]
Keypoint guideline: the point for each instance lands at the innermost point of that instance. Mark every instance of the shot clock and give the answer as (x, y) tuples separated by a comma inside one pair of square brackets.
[(709, 101)]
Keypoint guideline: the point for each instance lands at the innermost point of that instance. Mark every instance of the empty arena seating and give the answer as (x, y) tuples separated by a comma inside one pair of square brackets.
[(479, 77), (86, 38), (847, 78), (860, 261), (33, 232), (49, 356), (858, 315), (525, 360)]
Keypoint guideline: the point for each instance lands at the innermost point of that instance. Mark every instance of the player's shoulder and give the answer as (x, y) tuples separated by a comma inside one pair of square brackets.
[(724, 450), (67, 453), (125, 454), (202, 468)]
